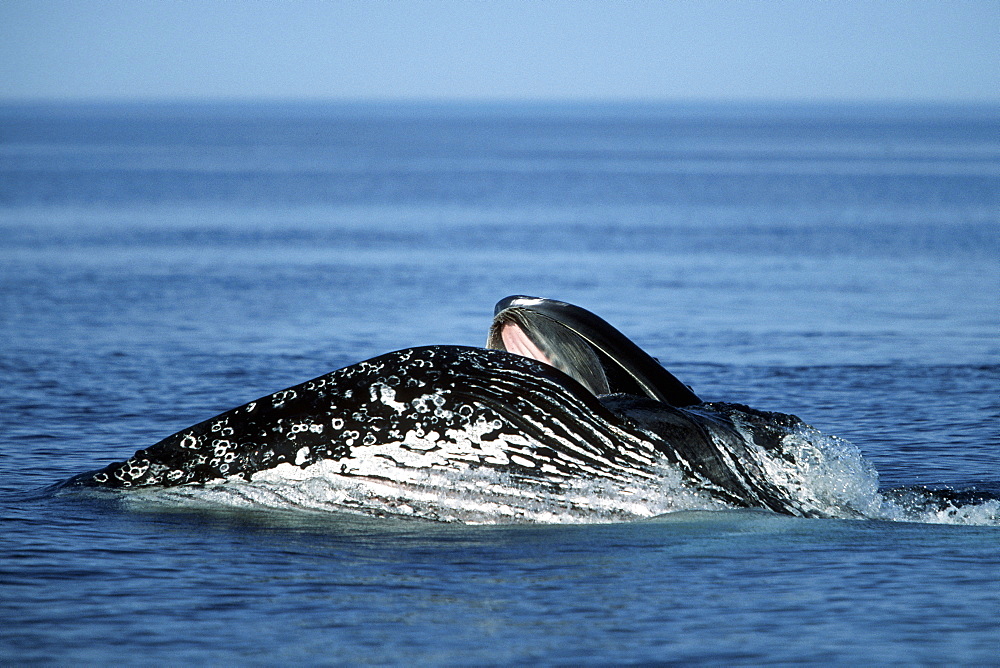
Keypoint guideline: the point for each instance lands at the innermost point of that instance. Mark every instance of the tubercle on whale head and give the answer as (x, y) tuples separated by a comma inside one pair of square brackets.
[(583, 346)]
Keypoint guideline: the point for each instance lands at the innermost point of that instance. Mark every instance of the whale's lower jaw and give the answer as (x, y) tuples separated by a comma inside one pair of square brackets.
[(440, 406), (474, 418)]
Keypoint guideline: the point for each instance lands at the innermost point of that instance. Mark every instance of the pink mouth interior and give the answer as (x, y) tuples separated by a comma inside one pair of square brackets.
[(516, 341)]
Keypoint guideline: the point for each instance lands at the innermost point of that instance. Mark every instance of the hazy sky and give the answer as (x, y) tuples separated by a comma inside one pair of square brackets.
[(501, 49)]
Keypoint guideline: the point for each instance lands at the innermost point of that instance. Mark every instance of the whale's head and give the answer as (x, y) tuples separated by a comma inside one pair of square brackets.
[(583, 346)]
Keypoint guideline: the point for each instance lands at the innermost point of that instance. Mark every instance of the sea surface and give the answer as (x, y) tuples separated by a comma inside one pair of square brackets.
[(162, 263)]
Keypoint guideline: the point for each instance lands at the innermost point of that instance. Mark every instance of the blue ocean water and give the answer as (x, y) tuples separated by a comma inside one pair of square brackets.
[(162, 263)]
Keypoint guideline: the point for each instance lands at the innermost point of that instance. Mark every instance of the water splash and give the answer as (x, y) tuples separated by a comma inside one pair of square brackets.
[(939, 506), (825, 475), (830, 476)]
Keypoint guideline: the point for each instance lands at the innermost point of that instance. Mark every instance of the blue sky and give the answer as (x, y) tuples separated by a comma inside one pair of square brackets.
[(802, 50)]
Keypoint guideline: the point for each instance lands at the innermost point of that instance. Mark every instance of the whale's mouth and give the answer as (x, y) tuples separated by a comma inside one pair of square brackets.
[(516, 340), (583, 346), (541, 338)]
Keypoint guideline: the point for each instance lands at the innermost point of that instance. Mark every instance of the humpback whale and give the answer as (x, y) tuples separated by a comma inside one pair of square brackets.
[(556, 397)]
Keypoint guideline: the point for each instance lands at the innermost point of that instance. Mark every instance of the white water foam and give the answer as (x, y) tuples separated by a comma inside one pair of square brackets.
[(830, 475), (929, 511)]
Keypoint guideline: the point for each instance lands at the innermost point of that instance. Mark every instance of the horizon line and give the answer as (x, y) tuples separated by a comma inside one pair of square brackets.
[(497, 101)]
